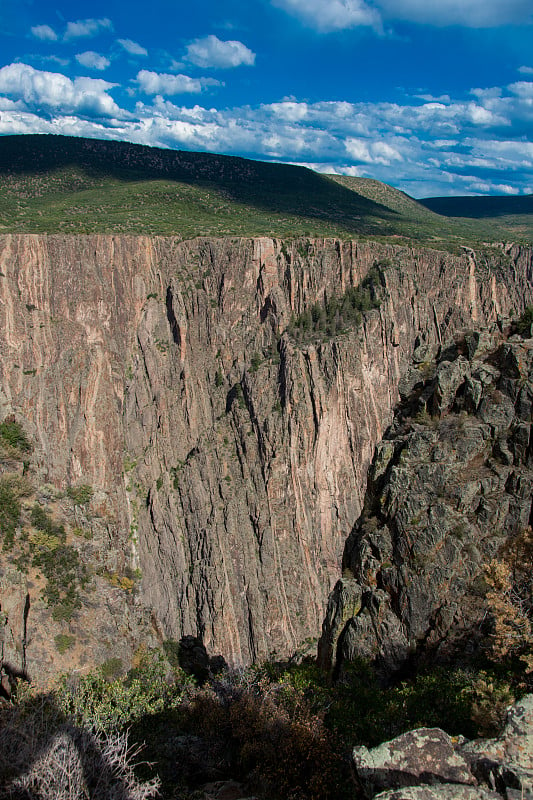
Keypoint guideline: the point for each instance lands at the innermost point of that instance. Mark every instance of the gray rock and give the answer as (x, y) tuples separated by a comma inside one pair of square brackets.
[(473, 392), (422, 756), (450, 376), (444, 494), (444, 792), (478, 343)]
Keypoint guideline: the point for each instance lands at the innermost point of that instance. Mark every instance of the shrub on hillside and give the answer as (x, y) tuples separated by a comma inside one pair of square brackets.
[(461, 701), (337, 314), (524, 323), (81, 494), (103, 705), (13, 437), (12, 488)]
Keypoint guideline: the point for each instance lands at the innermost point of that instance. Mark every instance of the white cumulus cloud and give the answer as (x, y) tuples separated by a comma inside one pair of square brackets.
[(92, 60), (449, 145), (288, 110), (132, 47), (44, 32), (52, 91), (86, 28), (524, 89), (332, 15), (213, 52), (160, 83), (370, 152)]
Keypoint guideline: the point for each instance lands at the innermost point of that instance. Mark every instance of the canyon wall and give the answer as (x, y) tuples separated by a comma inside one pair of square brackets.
[(228, 461), (438, 564)]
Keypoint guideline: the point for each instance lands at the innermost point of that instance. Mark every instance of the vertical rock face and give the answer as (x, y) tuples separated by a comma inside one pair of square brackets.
[(228, 461), (448, 496)]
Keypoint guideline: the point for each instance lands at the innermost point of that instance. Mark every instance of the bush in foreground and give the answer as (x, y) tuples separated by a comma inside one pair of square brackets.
[(271, 736), (43, 755)]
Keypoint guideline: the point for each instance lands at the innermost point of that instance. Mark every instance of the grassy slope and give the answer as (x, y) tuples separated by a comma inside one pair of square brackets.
[(61, 184), (513, 214)]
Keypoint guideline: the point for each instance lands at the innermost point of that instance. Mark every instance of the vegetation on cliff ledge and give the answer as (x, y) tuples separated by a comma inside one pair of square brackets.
[(336, 314)]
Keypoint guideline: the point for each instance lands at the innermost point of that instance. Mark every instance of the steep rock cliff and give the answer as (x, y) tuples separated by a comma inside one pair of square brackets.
[(449, 499), (228, 461)]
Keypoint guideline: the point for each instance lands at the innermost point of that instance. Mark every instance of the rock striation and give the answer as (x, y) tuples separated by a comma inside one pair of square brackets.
[(228, 461)]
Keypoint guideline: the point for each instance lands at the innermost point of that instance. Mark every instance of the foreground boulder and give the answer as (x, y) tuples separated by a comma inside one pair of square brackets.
[(444, 792), (428, 764), (425, 755)]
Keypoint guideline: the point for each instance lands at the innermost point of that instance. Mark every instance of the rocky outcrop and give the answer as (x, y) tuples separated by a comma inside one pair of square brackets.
[(228, 461), (506, 763), (443, 792), (435, 766), (425, 755), (449, 489)]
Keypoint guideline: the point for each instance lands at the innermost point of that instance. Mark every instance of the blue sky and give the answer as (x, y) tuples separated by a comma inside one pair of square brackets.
[(432, 96)]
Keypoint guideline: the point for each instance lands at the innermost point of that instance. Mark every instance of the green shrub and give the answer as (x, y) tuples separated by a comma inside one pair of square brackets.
[(338, 314), (12, 434), (112, 668), (523, 325), (9, 512), (81, 494), (306, 680), (423, 417), (12, 488), (458, 700), (41, 520), (100, 704), (171, 649), (490, 699), (59, 563), (63, 642)]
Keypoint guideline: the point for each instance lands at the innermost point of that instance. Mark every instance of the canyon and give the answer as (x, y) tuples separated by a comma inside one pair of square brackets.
[(227, 459)]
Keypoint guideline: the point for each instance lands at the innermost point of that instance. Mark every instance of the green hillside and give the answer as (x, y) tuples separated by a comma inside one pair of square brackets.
[(513, 214), (57, 184)]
